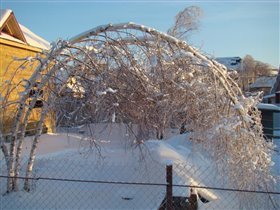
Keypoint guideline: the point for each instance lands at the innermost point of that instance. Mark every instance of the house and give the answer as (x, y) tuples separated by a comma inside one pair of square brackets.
[(274, 94), (261, 78), (270, 86), (235, 68), (231, 63), (263, 83), (17, 41), (276, 87), (271, 121), (270, 110)]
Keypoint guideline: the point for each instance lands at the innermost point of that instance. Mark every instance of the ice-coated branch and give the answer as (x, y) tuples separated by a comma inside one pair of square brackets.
[(150, 81)]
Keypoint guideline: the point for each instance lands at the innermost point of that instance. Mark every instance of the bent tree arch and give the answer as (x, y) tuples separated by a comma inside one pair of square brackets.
[(136, 75)]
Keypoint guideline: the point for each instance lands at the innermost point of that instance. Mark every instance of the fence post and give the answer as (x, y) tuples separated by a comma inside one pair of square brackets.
[(169, 199)]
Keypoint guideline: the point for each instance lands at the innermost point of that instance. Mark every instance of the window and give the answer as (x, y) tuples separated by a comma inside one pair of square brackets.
[(33, 93)]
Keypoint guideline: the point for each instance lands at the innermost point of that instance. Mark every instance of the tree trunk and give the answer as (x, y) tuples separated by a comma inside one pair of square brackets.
[(34, 148), (21, 109), (4, 150), (20, 143), (11, 166), (14, 166), (32, 158)]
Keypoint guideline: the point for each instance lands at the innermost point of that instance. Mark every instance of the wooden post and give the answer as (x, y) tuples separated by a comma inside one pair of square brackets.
[(169, 199), (193, 201)]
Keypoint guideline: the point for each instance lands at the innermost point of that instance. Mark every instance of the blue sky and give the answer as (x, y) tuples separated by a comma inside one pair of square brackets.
[(228, 28)]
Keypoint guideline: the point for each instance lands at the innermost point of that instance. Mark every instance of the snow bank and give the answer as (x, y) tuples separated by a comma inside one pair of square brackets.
[(178, 151), (163, 152)]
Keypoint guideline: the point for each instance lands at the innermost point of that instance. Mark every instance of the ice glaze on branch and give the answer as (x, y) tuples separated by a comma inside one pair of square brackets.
[(136, 75)]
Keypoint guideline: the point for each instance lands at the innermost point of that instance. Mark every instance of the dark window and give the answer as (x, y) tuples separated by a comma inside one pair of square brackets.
[(33, 92), (38, 104)]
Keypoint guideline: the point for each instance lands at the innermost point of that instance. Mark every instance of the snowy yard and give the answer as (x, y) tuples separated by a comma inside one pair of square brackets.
[(66, 156)]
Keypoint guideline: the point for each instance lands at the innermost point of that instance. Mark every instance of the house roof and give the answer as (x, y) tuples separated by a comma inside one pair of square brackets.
[(264, 82), (11, 30), (232, 63), (268, 106), (276, 86)]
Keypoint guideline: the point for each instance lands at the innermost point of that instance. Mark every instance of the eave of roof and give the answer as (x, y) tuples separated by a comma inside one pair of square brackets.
[(18, 44)]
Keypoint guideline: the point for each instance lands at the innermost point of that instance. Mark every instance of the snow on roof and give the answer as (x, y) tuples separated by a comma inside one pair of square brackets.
[(4, 14), (232, 63), (264, 81), (274, 72), (269, 96), (268, 106), (31, 38)]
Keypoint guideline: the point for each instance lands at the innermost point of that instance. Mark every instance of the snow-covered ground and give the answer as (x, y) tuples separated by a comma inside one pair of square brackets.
[(67, 156)]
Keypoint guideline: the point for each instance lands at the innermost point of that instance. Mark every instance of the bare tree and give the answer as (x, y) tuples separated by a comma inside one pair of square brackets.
[(250, 70), (255, 67), (186, 22), (247, 73), (262, 69)]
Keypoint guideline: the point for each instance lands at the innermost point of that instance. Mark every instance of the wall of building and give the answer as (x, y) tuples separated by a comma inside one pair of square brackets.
[(13, 72)]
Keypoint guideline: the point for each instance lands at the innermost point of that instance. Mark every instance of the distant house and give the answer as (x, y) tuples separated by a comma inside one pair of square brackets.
[(232, 63), (274, 96), (271, 121), (263, 83), (270, 85), (276, 87), (17, 41), (270, 109)]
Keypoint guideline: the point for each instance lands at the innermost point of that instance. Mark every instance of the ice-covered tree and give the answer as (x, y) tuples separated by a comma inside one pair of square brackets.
[(138, 76), (186, 22)]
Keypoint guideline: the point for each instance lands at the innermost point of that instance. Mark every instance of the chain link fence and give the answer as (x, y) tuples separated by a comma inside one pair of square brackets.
[(69, 182)]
